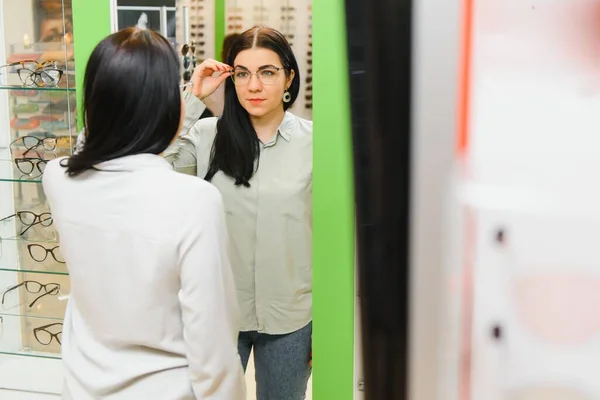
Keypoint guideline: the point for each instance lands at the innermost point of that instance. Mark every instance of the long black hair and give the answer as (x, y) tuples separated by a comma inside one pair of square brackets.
[(132, 101), (236, 147)]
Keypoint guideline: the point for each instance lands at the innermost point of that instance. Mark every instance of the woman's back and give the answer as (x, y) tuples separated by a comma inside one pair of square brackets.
[(131, 233)]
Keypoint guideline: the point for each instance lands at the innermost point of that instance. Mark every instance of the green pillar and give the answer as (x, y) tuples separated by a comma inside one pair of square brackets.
[(333, 208), (219, 28), (91, 24)]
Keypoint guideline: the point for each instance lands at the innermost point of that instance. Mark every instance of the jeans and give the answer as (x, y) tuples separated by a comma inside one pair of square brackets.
[(281, 362)]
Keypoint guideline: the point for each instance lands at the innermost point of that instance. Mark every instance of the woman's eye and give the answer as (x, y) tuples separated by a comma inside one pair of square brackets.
[(241, 74), (268, 72)]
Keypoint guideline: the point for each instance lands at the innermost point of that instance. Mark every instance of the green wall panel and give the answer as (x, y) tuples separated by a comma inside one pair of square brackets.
[(333, 208), (91, 23)]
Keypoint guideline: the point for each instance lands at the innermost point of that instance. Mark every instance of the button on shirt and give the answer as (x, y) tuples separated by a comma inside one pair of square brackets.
[(269, 223), (152, 312)]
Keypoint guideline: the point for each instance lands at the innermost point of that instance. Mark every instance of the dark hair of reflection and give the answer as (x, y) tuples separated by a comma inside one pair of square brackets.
[(132, 101)]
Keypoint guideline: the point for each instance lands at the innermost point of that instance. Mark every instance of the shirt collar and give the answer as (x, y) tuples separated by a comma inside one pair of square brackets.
[(134, 162), (287, 126)]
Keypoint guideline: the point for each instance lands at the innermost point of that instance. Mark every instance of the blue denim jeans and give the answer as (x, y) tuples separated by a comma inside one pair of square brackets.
[(281, 362)]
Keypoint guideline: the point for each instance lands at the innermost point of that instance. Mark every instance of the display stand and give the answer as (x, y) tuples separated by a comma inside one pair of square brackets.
[(37, 124)]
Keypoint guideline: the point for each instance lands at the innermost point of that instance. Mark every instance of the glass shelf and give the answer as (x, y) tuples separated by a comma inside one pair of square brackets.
[(28, 89), (30, 336), (10, 172)]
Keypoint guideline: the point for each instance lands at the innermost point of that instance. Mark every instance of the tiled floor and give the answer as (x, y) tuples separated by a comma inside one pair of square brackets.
[(251, 383)]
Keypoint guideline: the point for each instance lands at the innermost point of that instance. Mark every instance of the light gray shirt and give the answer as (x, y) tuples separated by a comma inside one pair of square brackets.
[(269, 223)]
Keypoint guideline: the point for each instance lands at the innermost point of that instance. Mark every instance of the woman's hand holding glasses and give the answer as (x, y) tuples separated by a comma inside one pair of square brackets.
[(208, 76)]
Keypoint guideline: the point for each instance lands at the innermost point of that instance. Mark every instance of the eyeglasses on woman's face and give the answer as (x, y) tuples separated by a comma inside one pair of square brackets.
[(266, 76)]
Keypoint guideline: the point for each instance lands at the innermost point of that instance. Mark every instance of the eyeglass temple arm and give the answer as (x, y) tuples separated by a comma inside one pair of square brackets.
[(36, 223), (52, 292), (10, 216), (10, 290)]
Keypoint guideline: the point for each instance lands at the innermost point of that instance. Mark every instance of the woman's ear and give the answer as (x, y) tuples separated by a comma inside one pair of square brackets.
[(290, 79)]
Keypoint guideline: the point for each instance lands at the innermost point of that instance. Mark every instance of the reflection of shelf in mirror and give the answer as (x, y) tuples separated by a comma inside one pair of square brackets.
[(30, 336), (36, 89)]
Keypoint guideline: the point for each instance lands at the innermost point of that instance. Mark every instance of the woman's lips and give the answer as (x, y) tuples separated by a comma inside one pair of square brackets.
[(256, 101)]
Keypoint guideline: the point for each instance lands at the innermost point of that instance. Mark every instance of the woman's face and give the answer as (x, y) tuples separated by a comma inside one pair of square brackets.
[(258, 83)]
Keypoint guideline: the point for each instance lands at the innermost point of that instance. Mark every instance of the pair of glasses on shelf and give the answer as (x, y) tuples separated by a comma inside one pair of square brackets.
[(30, 219), (32, 73), (33, 143), (35, 287), (40, 253), (44, 334), (28, 165)]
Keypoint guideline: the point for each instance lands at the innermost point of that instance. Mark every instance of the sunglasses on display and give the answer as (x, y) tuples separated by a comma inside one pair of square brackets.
[(197, 26), (308, 106), (35, 287), (197, 7), (234, 27), (40, 253), (29, 219), (287, 17), (284, 8), (199, 34), (235, 18), (44, 336)]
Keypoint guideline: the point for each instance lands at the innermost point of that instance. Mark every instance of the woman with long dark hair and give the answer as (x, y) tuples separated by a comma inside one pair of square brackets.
[(259, 156), (152, 312)]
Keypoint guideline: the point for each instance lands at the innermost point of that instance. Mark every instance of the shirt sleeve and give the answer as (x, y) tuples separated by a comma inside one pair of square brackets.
[(209, 305), (183, 152)]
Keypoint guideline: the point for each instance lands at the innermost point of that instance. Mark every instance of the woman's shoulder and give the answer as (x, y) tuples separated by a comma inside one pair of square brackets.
[(205, 128), (299, 126)]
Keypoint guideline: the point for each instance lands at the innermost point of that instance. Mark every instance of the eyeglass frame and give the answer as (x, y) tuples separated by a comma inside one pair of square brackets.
[(271, 67), (40, 142), (37, 219), (45, 329), (36, 79), (42, 286), (36, 165), (48, 251)]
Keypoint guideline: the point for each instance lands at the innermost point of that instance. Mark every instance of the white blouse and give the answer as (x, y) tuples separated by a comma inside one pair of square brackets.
[(152, 312)]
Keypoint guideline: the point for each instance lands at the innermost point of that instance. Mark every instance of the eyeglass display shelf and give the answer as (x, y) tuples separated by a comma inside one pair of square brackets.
[(37, 377), (58, 269), (17, 337), (9, 172), (38, 89)]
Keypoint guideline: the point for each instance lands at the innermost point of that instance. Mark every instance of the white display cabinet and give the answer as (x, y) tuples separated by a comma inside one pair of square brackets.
[(37, 124)]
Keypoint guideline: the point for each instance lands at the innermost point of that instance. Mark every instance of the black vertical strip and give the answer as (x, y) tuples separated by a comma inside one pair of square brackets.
[(379, 51)]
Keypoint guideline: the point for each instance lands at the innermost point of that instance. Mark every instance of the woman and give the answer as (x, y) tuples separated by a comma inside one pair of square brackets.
[(260, 158), (152, 312)]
